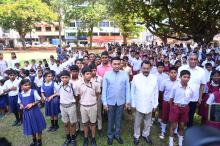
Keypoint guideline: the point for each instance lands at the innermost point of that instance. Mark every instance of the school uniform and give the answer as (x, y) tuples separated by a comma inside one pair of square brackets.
[(79, 125), (160, 78), (39, 82), (13, 95), (203, 109), (32, 78), (67, 103), (88, 100), (214, 98), (98, 80), (33, 119), (179, 110), (166, 87), (3, 98), (52, 107)]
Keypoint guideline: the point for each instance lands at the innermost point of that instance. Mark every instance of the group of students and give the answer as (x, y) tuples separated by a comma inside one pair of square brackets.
[(78, 84)]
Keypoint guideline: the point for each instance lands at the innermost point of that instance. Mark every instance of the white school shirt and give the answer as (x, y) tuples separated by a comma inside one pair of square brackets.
[(197, 78), (27, 67), (161, 77), (144, 93), (39, 82), (211, 99), (206, 61), (3, 67), (98, 80), (136, 63), (181, 95), (11, 63), (66, 93), (166, 87), (153, 70), (8, 84), (28, 93)]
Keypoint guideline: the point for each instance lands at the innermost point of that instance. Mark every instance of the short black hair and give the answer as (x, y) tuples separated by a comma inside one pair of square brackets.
[(172, 68), (184, 72), (125, 58), (86, 69), (105, 53), (115, 58), (74, 68), (160, 64), (92, 66), (24, 81), (64, 73), (11, 72), (78, 60), (208, 64), (145, 62)]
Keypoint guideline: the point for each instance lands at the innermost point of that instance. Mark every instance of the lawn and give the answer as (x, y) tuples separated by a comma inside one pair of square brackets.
[(14, 134)]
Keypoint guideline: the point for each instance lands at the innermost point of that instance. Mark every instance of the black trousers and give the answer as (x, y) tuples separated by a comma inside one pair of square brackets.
[(192, 110)]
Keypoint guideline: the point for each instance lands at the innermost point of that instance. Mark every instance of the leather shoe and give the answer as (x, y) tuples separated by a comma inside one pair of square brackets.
[(148, 140), (119, 140), (136, 141), (110, 141)]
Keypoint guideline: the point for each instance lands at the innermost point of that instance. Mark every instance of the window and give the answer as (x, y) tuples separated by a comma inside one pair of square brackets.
[(48, 28), (57, 28), (95, 34), (115, 34), (103, 24), (79, 24), (103, 34), (71, 34), (38, 28), (72, 24)]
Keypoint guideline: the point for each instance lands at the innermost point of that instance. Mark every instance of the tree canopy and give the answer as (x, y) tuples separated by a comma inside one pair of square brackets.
[(21, 15), (179, 19)]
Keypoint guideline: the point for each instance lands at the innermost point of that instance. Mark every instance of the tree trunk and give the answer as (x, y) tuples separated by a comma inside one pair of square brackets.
[(91, 36), (60, 31), (22, 38), (164, 40), (124, 39)]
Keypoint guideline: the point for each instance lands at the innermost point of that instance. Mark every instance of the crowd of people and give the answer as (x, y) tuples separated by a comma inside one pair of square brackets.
[(164, 83)]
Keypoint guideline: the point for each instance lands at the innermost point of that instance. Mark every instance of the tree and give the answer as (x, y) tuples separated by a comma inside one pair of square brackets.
[(124, 19), (89, 14), (60, 7), (179, 19), (22, 15)]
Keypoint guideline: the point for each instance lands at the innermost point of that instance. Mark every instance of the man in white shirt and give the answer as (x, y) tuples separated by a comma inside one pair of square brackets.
[(136, 63), (208, 60), (144, 101), (196, 82)]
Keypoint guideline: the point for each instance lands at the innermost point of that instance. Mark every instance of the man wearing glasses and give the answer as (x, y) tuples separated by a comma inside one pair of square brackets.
[(196, 82)]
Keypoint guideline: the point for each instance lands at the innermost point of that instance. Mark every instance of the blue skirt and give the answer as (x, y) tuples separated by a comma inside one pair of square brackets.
[(52, 108), (33, 121), (13, 104), (3, 101)]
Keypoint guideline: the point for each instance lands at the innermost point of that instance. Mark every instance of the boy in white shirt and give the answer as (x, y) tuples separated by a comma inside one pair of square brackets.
[(179, 109), (11, 87)]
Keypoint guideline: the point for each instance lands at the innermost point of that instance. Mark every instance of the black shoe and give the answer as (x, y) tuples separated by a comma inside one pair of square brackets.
[(19, 123), (93, 142), (15, 123), (136, 141), (148, 140), (66, 142), (73, 143), (86, 142), (50, 129), (119, 140), (55, 128), (110, 141), (33, 144), (38, 144)]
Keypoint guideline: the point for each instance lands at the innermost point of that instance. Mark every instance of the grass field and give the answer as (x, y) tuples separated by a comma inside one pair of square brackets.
[(15, 135)]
